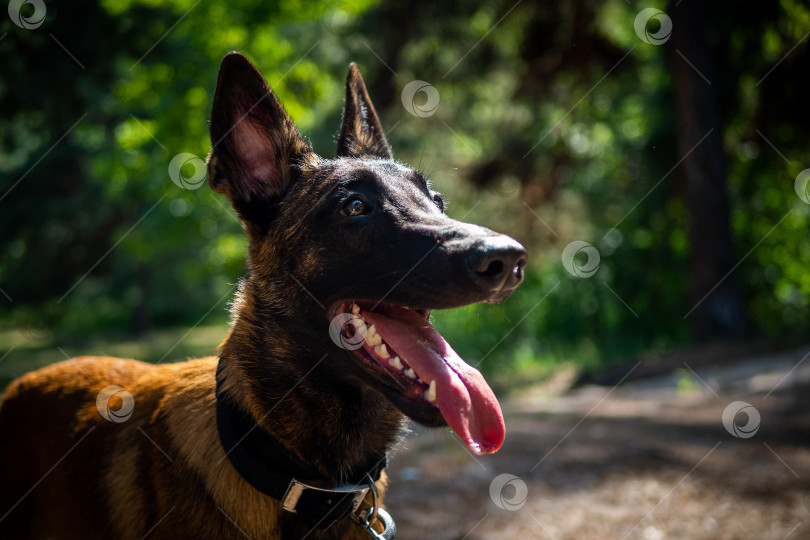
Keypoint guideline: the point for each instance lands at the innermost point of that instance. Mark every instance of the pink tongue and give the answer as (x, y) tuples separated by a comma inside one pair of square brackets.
[(465, 399)]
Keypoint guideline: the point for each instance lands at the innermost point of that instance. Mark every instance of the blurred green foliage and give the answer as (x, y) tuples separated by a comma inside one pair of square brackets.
[(555, 123)]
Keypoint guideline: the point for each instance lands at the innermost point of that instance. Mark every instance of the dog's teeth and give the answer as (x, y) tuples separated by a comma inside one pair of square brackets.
[(372, 337), (395, 363), (430, 393), (381, 351), (410, 373), (355, 309)]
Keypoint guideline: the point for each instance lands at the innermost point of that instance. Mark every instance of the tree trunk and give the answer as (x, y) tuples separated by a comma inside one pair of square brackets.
[(716, 303)]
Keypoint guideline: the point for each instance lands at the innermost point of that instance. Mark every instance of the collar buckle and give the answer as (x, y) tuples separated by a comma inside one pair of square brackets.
[(297, 488)]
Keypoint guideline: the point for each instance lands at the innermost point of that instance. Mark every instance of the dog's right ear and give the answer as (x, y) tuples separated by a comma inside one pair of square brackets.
[(254, 141), (361, 134)]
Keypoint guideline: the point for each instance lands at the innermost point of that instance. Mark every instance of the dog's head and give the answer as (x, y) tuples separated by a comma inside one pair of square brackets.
[(368, 240)]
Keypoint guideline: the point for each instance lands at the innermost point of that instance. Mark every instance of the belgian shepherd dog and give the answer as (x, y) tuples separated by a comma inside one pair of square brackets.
[(285, 433)]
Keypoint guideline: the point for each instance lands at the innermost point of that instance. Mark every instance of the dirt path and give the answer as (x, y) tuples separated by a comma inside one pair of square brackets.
[(649, 460)]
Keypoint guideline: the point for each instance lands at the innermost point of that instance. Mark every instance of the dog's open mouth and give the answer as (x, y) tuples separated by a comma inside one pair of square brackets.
[(421, 372)]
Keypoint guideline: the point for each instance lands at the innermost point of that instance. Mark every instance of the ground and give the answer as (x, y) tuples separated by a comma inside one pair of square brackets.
[(648, 460)]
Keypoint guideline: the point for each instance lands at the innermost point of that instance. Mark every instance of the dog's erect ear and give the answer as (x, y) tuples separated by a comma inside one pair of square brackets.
[(361, 134), (255, 142)]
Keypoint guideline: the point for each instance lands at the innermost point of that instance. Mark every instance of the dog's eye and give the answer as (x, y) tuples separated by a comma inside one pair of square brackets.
[(439, 200), (354, 207)]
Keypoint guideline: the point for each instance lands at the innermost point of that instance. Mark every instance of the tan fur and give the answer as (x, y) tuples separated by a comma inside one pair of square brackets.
[(116, 482)]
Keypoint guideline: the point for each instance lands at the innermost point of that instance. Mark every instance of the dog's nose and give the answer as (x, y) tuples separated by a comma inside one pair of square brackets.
[(497, 262)]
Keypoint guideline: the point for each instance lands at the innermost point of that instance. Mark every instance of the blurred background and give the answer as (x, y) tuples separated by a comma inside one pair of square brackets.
[(648, 155), (555, 123)]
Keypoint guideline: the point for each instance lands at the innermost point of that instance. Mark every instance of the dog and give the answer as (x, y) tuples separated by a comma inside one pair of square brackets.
[(286, 432)]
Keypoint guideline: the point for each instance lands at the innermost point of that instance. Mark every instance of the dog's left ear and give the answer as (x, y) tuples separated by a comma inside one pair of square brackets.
[(361, 135), (255, 143)]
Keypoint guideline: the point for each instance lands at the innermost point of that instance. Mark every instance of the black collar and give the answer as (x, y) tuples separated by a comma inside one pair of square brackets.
[(267, 466)]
